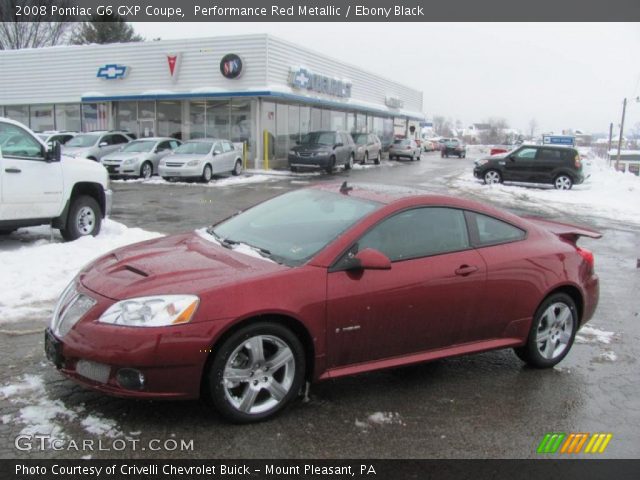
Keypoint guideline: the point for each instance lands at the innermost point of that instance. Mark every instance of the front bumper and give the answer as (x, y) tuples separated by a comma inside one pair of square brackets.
[(322, 160), (184, 171), (170, 358), (120, 169), (402, 153)]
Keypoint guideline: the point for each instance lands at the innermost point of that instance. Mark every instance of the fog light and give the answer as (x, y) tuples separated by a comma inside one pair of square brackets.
[(130, 378)]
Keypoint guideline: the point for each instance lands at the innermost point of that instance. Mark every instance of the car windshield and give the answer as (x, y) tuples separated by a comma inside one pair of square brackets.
[(194, 148), (43, 136), (139, 146), (293, 227), (319, 138), (360, 139), (88, 140), (452, 143)]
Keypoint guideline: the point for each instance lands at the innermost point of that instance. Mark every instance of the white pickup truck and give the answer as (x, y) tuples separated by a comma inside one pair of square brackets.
[(40, 186)]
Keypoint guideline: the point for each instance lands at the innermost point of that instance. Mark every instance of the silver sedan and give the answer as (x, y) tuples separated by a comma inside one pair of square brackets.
[(140, 158), (368, 147), (202, 159)]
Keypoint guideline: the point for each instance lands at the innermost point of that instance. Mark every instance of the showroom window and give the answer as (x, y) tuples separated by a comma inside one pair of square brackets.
[(338, 120), (316, 119), (126, 116), (197, 119), (147, 118), (305, 120), (19, 113), (68, 117), (294, 124), (94, 117), (282, 134), (169, 119), (218, 119), (242, 115), (41, 118)]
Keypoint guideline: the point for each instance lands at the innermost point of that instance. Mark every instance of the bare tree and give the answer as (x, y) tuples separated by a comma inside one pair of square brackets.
[(105, 29), (533, 126), (495, 133), (442, 126), (15, 33)]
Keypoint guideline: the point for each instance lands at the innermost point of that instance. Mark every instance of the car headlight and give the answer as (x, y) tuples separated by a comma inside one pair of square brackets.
[(157, 311), (292, 152), (479, 163), (193, 163), (129, 161), (71, 307)]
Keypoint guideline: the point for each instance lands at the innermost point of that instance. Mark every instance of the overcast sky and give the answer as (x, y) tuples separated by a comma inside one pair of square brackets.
[(563, 75)]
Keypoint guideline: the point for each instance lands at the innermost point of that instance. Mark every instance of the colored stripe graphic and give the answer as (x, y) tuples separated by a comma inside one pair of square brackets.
[(573, 443)]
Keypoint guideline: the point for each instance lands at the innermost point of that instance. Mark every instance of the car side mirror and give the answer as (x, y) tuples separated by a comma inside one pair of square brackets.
[(103, 144), (53, 152), (338, 145), (370, 259)]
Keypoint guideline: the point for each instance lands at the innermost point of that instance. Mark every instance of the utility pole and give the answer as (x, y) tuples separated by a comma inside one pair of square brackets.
[(624, 109), (610, 138)]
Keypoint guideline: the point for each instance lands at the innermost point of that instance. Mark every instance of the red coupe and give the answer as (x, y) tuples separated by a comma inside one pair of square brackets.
[(319, 283)]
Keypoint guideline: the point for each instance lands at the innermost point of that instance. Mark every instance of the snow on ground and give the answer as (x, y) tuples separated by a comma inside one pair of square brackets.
[(35, 268), (588, 334), (41, 415), (608, 356), (606, 193), (219, 182), (380, 418)]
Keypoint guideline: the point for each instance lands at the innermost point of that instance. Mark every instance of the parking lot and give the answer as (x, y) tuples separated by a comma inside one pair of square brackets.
[(481, 406)]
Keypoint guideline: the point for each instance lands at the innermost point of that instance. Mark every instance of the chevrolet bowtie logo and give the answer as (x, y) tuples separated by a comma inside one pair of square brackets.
[(112, 71)]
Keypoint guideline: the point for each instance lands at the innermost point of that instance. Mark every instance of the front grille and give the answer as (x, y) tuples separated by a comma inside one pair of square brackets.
[(174, 164), (98, 372), (305, 154)]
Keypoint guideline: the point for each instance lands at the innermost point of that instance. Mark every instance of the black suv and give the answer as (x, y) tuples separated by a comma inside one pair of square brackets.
[(560, 166), (323, 149), (453, 147)]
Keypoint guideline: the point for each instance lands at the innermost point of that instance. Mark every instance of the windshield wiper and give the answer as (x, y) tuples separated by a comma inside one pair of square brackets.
[(225, 242)]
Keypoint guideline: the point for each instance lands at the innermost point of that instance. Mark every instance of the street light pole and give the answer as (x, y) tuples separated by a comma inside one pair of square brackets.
[(624, 109)]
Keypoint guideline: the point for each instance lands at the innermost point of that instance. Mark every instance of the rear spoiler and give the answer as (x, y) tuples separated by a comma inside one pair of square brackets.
[(566, 231)]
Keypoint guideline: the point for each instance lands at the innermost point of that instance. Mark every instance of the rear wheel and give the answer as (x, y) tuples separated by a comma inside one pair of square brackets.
[(563, 182), (365, 158), (377, 159), (207, 174), (332, 164), (552, 332), (255, 373), (237, 169), (85, 218), (146, 170), (492, 176)]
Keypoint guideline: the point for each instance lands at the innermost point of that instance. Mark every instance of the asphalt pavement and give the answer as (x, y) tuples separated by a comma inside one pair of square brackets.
[(481, 406)]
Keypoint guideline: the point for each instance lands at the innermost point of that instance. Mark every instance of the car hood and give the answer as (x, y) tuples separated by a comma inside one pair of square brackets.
[(494, 158), (75, 150), (184, 157), (178, 264), (124, 155)]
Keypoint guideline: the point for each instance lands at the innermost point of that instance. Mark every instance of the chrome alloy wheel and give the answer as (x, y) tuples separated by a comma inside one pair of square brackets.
[(563, 183), (85, 221), (554, 330), (258, 374), (491, 177)]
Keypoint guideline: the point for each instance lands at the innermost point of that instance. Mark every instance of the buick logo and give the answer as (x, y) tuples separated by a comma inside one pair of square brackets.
[(231, 66)]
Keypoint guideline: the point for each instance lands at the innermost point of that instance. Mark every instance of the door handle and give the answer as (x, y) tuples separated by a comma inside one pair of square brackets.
[(465, 270), (12, 170)]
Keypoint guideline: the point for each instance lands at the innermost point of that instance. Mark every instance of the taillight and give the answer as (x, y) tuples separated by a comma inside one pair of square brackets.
[(577, 161), (588, 257)]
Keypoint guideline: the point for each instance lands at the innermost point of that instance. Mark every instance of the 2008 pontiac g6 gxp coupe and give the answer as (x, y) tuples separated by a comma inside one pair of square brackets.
[(319, 283)]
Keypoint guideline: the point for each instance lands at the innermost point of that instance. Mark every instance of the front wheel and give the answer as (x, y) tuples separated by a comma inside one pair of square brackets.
[(207, 174), (377, 159), (365, 158), (563, 182), (85, 218), (146, 171), (552, 332), (492, 176), (349, 164), (255, 373), (331, 165)]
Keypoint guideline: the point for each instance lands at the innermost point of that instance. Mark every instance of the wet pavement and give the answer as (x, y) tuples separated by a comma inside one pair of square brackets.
[(481, 406)]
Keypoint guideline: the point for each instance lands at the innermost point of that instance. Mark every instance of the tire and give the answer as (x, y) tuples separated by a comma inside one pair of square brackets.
[(349, 164), (491, 177), (377, 159), (563, 182), (7, 231), (84, 218), (93, 158), (332, 163), (293, 169), (146, 170), (237, 168), (253, 394), (552, 333), (365, 158), (206, 174), (166, 179)]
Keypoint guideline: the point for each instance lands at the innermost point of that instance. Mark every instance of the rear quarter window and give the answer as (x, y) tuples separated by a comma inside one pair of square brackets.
[(491, 231)]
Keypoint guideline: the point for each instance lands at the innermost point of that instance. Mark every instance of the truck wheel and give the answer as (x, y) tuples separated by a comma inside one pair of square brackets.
[(85, 218)]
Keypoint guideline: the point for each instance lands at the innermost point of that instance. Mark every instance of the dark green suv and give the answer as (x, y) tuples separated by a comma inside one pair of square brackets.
[(559, 166)]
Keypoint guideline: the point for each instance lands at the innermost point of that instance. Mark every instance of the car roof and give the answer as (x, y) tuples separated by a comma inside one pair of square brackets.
[(201, 140), (155, 139)]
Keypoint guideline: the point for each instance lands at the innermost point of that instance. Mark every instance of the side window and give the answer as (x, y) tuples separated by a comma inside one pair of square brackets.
[(227, 147), (526, 153), (492, 230), (17, 143), (108, 139), (550, 154), (417, 233), (118, 139), (174, 144), (217, 148), (163, 146)]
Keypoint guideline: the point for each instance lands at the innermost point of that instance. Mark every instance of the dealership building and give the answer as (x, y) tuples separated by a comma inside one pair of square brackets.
[(257, 89)]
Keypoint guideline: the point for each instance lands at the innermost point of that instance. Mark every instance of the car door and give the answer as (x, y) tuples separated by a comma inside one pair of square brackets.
[(342, 152), (547, 162), (162, 150), (218, 163), (229, 155), (519, 164), (420, 304), (30, 187)]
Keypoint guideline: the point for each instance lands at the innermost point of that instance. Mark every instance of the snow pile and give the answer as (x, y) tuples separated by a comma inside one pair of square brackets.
[(35, 269), (589, 334), (608, 356), (383, 163), (220, 182), (606, 193), (380, 418), (41, 415)]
